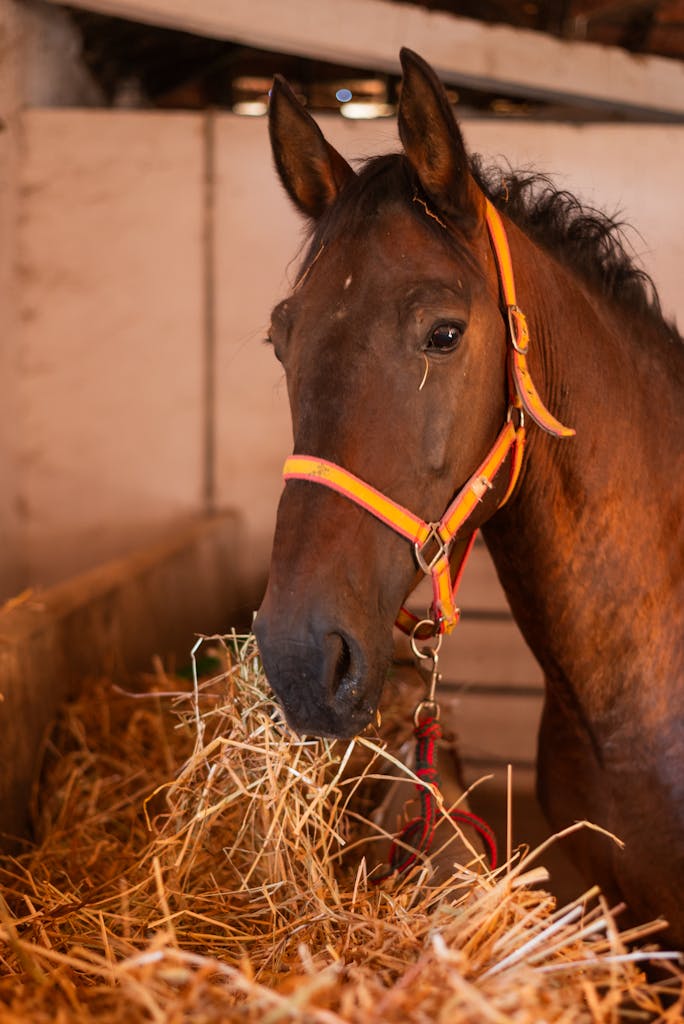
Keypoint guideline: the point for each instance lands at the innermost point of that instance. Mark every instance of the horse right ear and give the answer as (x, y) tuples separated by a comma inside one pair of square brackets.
[(311, 170), (434, 145)]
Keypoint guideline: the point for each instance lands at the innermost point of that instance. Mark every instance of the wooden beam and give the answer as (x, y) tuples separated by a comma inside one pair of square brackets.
[(369, 33)]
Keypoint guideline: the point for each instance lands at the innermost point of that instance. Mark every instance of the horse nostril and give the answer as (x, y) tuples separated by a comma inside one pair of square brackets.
[(341, 662)]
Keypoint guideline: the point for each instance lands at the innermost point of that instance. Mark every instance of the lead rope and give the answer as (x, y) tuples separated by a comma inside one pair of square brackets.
[(416, 838)]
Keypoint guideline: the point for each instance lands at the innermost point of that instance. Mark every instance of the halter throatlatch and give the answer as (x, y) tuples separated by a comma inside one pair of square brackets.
[(432, 542)]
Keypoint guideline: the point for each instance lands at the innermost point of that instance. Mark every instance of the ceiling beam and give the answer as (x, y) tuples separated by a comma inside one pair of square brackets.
[(369, 33)]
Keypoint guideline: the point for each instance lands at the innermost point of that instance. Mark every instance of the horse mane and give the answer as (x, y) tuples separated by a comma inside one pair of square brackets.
[(594, 246), (591, 244)]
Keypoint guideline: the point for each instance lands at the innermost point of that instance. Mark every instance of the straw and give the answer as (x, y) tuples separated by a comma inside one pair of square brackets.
[(196, 861)]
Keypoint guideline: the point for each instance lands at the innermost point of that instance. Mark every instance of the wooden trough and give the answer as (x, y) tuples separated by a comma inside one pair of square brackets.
[(109, 621)]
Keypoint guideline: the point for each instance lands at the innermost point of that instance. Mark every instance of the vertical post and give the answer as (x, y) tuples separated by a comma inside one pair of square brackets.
[(209, 326), (12, 512)]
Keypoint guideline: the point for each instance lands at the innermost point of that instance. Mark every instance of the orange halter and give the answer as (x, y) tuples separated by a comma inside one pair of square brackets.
[(439, 536)]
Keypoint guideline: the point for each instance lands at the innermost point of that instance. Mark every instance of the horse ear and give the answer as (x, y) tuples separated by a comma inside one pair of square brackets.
[(434, 145), (310, 169)]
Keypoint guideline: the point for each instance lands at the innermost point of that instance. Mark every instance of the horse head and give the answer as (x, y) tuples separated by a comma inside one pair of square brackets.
[(394, 350)]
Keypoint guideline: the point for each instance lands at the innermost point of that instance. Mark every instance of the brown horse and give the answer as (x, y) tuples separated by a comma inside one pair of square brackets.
[(400, 279)]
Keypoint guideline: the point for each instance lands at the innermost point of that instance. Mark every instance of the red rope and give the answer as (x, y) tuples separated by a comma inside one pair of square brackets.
[(419, 834), (484, 830)]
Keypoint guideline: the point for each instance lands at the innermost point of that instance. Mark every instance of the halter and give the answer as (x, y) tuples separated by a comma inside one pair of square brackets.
[(432, 542)]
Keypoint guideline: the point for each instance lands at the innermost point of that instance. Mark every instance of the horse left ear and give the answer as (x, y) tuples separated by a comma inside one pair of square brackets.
[(434, 145), (312, 171)]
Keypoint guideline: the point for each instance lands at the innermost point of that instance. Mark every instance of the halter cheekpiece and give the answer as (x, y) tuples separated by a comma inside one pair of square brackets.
[(432, 542)]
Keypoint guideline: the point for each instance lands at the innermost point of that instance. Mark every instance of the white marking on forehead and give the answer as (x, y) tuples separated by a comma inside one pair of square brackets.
[(347, 282)]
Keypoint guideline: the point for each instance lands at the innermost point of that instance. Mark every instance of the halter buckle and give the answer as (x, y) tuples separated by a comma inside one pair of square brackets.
[(517, 325), (441, 552)]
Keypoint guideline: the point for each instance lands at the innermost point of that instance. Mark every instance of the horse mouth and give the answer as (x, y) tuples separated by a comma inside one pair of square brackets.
[(326, 725)]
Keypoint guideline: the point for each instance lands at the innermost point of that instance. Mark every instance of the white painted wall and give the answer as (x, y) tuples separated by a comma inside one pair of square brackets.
[(111, 254), (111, 258)]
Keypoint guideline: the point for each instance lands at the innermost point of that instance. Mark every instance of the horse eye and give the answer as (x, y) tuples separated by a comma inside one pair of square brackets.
[(445, 337), (268, 340)]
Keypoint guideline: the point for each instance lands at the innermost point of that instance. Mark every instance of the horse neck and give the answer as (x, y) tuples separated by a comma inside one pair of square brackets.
[(590, 550)]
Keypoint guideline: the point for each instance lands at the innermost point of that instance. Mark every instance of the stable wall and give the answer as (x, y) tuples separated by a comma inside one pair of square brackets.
[(151, 247), (111, 291)]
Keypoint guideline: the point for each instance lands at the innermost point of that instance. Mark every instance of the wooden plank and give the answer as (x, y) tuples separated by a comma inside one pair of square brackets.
[(109, 621), (480, 590), (495, 729), (485, 653), (369, 33)]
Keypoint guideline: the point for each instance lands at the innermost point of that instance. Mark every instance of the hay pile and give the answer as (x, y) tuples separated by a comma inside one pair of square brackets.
[(190, 869)]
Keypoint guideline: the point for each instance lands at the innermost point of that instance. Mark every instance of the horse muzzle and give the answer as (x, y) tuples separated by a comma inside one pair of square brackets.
[(320, 675)]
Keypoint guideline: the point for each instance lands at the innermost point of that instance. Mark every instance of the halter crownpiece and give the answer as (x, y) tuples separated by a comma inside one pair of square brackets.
[(432, 542), (525, 393)]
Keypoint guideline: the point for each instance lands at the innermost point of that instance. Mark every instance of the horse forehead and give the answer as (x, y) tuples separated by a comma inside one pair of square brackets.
[(388, 255), (396, 239)]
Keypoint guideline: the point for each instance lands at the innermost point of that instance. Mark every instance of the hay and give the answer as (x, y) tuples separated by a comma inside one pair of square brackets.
[(196, 863)]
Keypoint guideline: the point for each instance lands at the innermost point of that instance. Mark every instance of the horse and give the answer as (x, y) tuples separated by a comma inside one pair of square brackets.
[(410, 349)]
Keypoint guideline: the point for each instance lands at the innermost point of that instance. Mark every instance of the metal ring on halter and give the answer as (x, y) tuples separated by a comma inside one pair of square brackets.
[(426, 652), (429, 703), (442, 550), (521, 415)]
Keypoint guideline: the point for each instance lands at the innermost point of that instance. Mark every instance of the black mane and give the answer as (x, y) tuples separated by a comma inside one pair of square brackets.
[(590, 243), (586, 240)]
